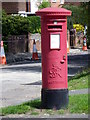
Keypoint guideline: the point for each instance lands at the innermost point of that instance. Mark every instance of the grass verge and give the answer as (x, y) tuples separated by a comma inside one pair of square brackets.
[(80, 81), (77, 104)]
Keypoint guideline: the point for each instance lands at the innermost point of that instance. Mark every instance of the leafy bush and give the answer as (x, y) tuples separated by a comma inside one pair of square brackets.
[(44, 4), (14, 25), (18, 25), (34, 24), (78, 27)]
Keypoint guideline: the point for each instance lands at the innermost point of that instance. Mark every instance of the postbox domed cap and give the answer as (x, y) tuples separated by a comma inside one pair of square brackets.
[(53, 11)]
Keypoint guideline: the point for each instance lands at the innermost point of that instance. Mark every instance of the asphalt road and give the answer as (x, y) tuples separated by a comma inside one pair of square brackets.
[(22, 82)]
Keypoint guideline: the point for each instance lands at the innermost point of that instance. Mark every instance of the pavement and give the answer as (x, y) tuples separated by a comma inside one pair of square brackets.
[(47, 117), (21, 81)]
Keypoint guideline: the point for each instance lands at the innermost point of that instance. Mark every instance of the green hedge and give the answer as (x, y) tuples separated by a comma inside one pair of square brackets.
[(18, 25)]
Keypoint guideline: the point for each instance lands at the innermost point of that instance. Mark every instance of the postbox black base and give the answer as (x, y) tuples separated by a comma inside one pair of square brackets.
[(54, 99)]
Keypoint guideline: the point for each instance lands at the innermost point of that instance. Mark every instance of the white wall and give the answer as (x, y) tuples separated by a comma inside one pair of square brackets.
[(34, 7)]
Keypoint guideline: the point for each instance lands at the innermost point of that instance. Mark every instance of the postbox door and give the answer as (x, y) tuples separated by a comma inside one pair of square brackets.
[(55, 69)]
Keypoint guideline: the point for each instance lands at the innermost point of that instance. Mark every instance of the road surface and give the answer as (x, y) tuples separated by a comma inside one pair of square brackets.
[(22, 82)]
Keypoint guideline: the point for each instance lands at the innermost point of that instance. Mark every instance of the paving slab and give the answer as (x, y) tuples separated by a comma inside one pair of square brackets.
[(48, 117)]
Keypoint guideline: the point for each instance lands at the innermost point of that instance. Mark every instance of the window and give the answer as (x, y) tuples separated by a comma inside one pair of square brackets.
[(61, 1), (54, 0)]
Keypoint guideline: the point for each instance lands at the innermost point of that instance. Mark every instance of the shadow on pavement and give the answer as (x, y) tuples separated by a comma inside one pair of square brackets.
[(24, 68), (75, 64), (34, 83)]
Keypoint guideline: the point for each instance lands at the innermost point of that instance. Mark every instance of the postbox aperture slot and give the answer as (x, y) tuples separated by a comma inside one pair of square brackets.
[(54, 41), (55, 27)]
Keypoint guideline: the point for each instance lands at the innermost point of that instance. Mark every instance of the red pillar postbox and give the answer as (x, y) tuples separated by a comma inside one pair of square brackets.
[(54, 92)]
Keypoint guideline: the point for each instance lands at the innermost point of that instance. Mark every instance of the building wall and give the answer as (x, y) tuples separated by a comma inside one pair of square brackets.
[(0, 5), (55, 4), (10, 7), (73, 3), (21, 6), (34, 6), (15, 7), (37, 38)]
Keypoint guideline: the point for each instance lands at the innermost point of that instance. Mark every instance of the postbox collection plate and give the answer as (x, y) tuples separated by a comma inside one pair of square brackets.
[(54, 41)]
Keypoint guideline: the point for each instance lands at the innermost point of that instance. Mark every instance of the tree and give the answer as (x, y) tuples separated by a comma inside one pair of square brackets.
[(86, 6), (79, 15), (44, 4)]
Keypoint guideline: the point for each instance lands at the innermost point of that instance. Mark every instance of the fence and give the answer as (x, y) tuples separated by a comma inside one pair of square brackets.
[(17, 44), (22, 43)]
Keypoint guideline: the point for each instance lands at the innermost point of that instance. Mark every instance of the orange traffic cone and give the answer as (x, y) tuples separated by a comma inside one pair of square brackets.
[(68, 48), (34, 54), (2, 54), (84, 44)]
